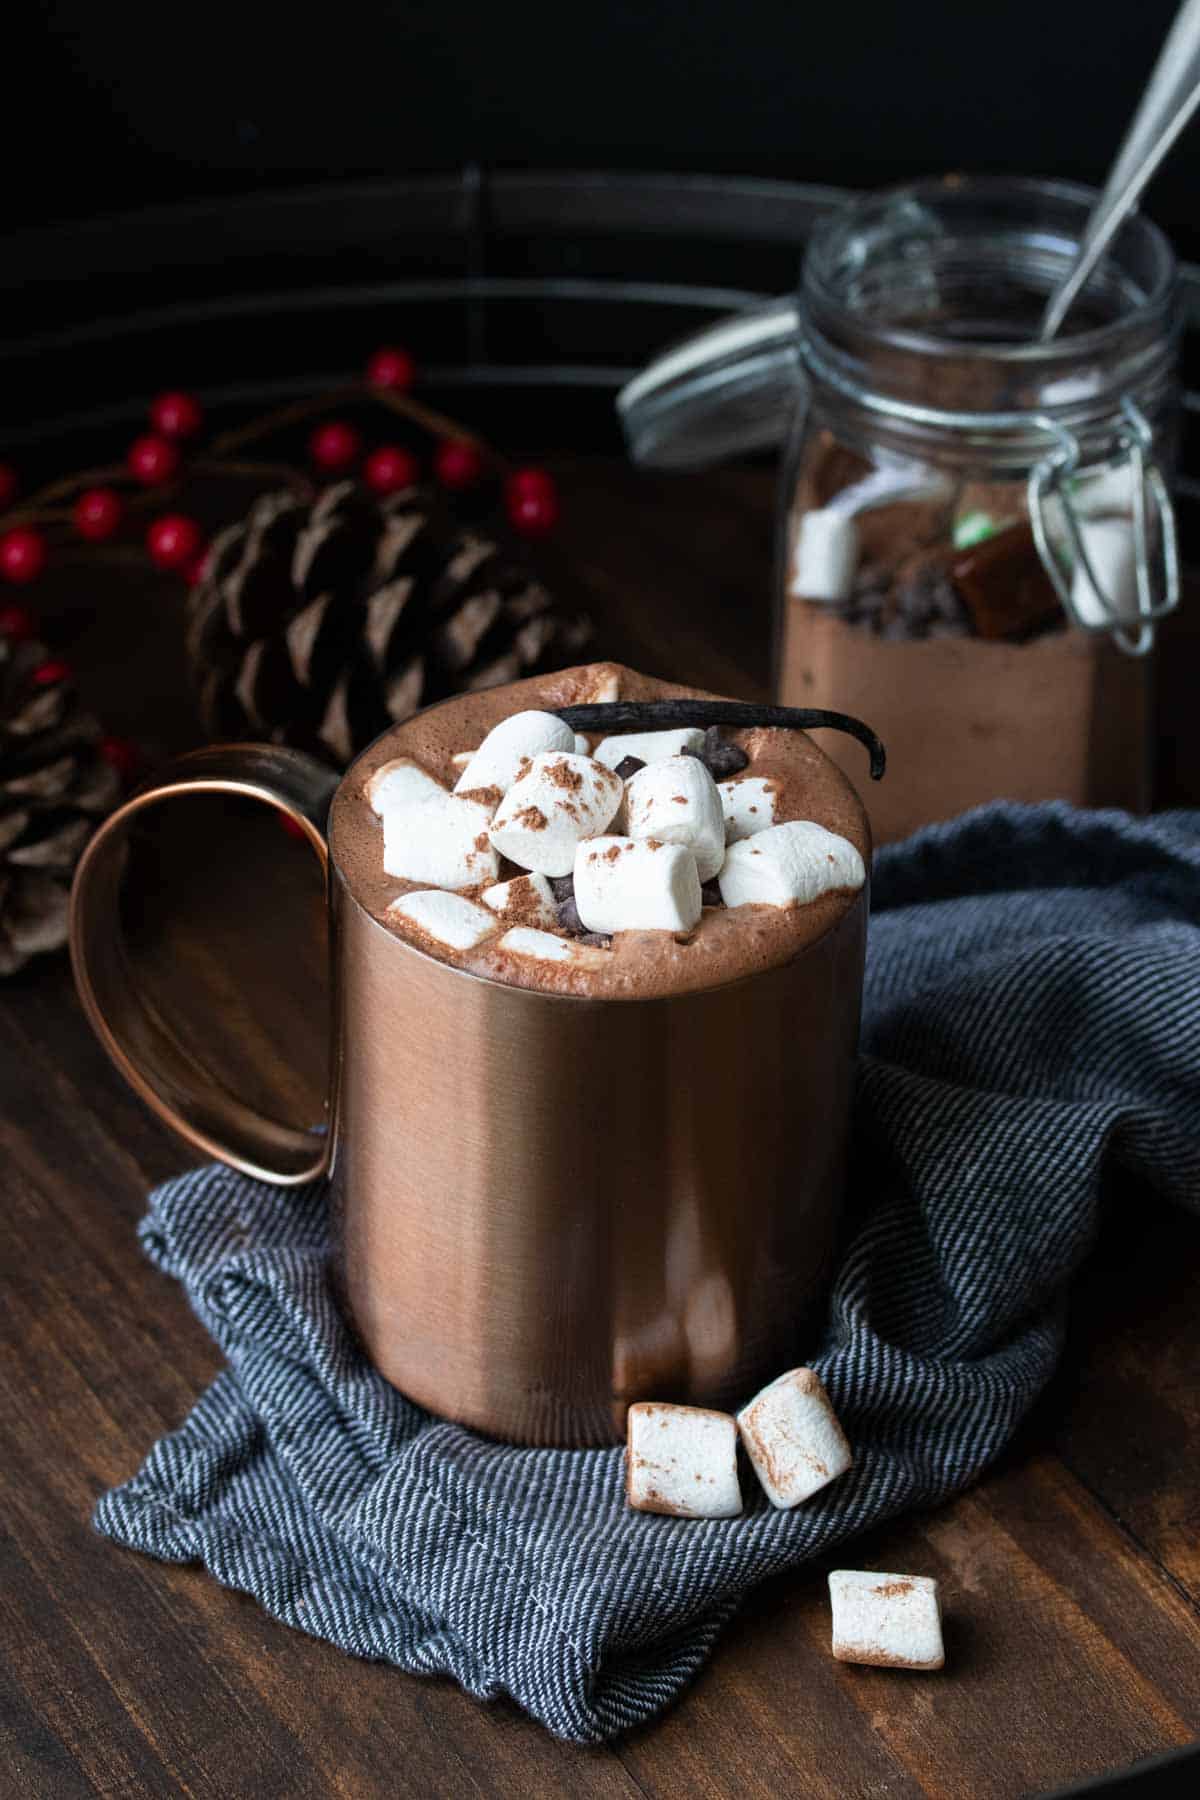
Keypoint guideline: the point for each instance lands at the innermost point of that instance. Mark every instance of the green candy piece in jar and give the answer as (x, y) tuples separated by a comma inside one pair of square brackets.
[(973, 528)]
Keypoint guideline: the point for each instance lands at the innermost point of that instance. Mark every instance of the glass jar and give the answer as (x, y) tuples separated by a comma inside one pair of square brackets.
[(976, 537)]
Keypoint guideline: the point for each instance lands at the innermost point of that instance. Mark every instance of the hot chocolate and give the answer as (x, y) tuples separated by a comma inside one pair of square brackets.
[(621, 865)]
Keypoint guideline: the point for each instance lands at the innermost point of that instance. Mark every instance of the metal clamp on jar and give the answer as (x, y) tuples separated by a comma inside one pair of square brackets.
[(976, 536)]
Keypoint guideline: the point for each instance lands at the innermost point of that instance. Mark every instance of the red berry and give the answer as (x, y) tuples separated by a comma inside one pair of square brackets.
[(52, 671), (176, 415), (22, 554), (391, 367), (173, 541), (335, 446), (121, 754), (458, 463), (531, 501), (194, 570), (390, 468), (16, 624), (10, 483), (152, 460), (97, 514)]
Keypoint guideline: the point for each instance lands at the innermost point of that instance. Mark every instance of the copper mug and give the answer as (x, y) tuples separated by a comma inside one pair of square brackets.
[(543, 1207)]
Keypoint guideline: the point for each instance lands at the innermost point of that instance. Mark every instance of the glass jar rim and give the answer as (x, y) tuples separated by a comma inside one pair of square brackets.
[(819, 288)]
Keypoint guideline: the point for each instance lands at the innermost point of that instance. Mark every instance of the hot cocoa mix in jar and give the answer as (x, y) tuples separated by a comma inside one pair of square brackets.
[(976, 539)]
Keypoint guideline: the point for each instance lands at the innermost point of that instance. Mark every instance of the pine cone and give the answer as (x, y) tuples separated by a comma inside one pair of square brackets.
[(320, 624), (55, 786)]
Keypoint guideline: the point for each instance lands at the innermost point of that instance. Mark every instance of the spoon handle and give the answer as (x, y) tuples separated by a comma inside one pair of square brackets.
[(1168, 102)]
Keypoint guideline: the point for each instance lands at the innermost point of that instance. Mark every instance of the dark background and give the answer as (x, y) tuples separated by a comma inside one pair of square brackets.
[(109, 107)]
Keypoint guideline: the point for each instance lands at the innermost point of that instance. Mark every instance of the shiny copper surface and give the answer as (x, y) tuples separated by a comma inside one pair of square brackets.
[(544, 1207), (548, 1207), (153, 1058)]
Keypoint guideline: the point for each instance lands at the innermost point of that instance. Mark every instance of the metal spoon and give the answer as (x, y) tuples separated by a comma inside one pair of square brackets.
[(1171, 96)]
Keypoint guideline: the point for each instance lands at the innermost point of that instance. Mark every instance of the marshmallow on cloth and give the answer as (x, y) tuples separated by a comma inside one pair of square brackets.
[(789, 865), (429, 834), (676, 801), (648, 746), (528, 898), (890, 1621), (636, 884), (561, 799), (449, 919), (793, 1438), (748, 806), (682, 1460), (510, 747)]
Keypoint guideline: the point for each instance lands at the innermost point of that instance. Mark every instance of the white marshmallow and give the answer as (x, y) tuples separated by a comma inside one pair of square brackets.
[(442, 840), (602, 687), (1109, 544), (748, 806), (825, 556), (561, 799), (630, 884), (530, 897), (522, 940), (400, 784), (582, 747), (447, 918), (677, 802), (682, 1460), (793, 1438), (1104, 491), (891, 1621), (510, 747), (792, 863), (648, 746)]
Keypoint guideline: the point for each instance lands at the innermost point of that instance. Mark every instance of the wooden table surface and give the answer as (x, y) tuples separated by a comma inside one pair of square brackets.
[(1071, 1573)]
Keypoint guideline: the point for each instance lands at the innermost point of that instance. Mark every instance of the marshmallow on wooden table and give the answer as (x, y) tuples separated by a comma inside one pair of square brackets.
[(748, 806), (636, 884), (825, 556), (529, 898), (1109, 545), (648, 746), (449, 919), (510, 747), (561, 799), (677, 802), (544, 946), (789, 864), (793, 1438), (890, 1621), (682, 1460)]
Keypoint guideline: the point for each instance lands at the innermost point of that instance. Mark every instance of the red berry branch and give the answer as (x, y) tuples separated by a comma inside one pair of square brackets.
[(94, 506)]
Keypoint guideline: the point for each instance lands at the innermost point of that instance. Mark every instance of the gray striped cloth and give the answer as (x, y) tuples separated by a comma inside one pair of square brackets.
[(1031, 1039)]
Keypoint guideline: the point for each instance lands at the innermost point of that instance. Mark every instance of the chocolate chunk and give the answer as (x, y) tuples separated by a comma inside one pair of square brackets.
[(1004, 586), (720, 757), (562, 886), (599, 938), (628, 765), (710, 893), (569, 919)]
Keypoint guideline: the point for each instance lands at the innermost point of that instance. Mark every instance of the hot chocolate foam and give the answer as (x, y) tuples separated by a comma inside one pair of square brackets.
[(727, 944)]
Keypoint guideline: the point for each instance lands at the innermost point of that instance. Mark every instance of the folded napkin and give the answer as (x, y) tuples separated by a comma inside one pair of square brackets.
[(1031, 1037)]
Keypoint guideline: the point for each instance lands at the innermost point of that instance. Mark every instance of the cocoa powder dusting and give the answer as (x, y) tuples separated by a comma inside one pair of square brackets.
[(532, 818)]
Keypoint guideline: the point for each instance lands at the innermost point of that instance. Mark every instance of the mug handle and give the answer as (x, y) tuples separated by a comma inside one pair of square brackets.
[(157, 1065)]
